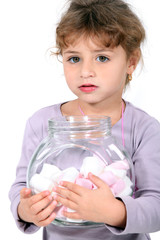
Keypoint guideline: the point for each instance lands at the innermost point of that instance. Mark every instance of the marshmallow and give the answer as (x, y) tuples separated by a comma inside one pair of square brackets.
[(39, 183), (118, 187), (117, 172), (59, 212), (53, 194), (108, 177), (69, 174), (126, 192), (84, 182), (73, 220), (50, 171), (93, 165), (35, 191), (122, 164), (127, 181)]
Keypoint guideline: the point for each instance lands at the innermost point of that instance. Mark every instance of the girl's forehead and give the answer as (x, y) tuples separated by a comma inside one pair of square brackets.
[(87, 40)]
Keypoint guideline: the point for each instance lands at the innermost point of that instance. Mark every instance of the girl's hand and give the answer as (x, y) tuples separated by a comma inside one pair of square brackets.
[(97, 205), (37, 209)]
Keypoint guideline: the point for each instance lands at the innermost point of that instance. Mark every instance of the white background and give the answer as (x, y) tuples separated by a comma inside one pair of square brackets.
[(30, 79)]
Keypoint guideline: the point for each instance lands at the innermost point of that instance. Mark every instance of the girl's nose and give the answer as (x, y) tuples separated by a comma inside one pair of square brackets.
[(87, 70)]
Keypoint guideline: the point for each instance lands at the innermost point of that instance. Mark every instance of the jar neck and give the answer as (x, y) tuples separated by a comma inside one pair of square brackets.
[(80, 127)]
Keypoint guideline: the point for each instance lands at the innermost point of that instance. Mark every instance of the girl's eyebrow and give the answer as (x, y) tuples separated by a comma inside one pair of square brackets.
[(70, 52), (104, 50), (97, 51)]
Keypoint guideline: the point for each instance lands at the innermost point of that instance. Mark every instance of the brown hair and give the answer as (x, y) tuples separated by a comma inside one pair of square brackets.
[(111, 21)]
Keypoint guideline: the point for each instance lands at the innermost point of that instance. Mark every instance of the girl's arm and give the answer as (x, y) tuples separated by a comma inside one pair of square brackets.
[(143, 215), (30, 141)]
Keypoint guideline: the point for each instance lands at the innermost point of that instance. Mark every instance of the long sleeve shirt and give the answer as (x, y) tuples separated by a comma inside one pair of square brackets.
[(142, 142)]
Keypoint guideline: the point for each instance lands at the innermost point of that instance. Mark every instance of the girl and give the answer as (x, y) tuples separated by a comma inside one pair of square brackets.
[(99, 41)]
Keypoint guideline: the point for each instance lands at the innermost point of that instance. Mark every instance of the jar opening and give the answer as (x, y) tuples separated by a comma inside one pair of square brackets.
[(74, 125)]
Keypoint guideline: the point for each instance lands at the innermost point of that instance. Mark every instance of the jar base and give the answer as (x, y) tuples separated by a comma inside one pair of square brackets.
[(65, 223)]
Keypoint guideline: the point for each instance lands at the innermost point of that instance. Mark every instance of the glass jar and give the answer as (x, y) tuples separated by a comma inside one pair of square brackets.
[(75, 146)]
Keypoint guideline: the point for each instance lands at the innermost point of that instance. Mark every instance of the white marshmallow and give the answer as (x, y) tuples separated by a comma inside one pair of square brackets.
[(50, 171), (54, 194), (39, 183), (127, 181), (69, 174), (125, 163), (128, 190), (93, 165), (59, 212), (121, 173), (73, 220), (35, 191)]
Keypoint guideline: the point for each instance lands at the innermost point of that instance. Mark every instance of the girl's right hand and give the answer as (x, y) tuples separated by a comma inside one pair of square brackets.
[(37, 209)]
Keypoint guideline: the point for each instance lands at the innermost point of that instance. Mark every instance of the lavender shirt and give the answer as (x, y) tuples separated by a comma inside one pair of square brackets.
[(142, 141)]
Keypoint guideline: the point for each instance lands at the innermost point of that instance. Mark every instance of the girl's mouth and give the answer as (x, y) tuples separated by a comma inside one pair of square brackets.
[(87, 88)]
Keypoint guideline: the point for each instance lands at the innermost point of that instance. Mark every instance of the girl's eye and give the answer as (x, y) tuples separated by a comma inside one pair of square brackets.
[(74, 59), (102, 59)]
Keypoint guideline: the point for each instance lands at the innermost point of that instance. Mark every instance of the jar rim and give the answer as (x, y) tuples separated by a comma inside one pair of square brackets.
[(81, 119), (81, 123)]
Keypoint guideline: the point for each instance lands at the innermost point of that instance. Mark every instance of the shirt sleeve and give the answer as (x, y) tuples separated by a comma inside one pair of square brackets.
[(30, 142), (143, 211)]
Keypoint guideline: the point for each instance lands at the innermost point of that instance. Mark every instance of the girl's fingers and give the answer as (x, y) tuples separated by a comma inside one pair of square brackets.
[(25, 193), (45, 213), (41, 204), (96, 180), (47, 221), (65, 193), (66, 202), (73, 187), (38, 197), (72, 215)]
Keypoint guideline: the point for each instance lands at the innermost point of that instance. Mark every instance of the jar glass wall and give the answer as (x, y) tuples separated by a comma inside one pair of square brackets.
[(75, 146)]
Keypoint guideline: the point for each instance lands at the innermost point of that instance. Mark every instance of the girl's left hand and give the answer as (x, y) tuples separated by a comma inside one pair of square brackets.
[(98, 205)]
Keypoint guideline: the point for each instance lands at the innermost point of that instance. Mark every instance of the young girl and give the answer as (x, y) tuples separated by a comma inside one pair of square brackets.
[(99, 41)]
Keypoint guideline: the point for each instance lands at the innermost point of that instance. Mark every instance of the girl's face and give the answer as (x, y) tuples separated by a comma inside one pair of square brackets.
[(95, 73)]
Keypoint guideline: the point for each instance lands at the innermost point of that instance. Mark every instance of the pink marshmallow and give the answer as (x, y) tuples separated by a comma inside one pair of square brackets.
[(118, 187), (123, 164), (84, 182), (108, 177), (59, 211)]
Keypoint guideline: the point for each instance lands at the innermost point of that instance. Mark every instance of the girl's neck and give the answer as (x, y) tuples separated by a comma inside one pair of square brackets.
[(112, 110)]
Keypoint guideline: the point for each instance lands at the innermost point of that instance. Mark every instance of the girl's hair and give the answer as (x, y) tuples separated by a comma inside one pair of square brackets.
[(111, 22)]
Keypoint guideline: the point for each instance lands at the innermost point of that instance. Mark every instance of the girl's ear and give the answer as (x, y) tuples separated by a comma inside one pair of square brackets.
[(133, 61)]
